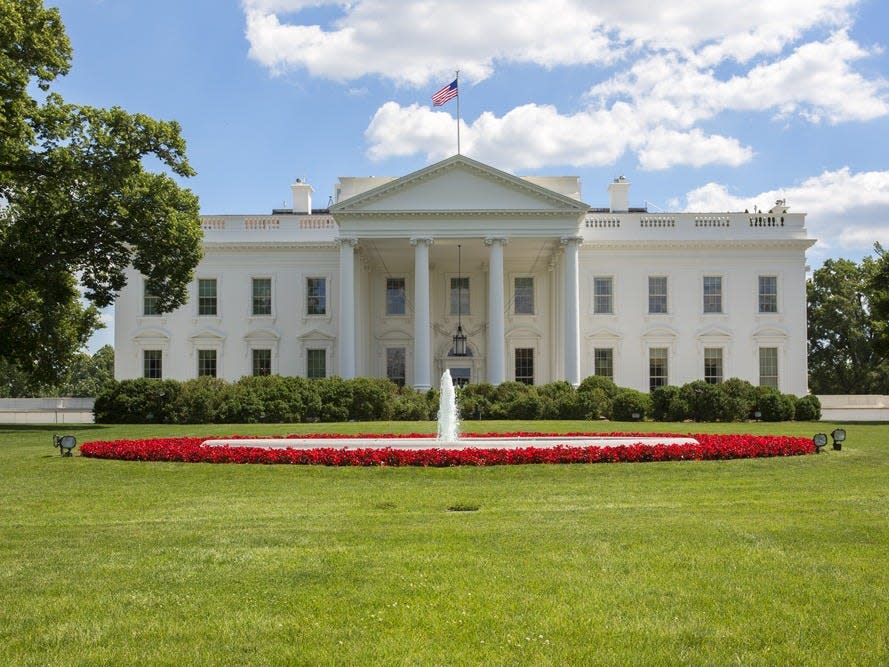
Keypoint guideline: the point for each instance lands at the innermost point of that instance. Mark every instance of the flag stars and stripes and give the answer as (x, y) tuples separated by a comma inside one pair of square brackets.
[(445, 94)]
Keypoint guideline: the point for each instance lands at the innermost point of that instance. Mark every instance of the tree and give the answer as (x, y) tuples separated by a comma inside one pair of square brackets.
[(86, 376), (879, 300), (77, 204), (842, 330)]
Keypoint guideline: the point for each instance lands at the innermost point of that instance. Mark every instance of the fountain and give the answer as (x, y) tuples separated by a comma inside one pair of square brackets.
[(449, 436), (448, 415)]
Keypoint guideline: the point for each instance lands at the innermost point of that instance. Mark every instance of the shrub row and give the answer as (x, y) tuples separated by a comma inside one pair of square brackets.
[(277, 399)]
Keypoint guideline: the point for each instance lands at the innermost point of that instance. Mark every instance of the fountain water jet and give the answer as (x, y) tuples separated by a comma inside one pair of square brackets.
[(448, 414), (449, 436)]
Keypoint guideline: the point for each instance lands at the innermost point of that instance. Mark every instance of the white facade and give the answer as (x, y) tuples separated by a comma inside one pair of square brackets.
[(550, 287)]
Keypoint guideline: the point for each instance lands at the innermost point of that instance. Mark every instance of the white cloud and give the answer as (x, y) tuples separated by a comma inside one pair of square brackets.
[(664, 148), (678, 64), (529, 136), (845, 210), (416, 42)]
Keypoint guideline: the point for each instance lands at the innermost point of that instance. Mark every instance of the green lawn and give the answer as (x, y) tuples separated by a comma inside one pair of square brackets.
[(775, 561)]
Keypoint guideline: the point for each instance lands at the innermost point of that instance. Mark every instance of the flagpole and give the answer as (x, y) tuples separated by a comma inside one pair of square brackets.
[(457, 79)]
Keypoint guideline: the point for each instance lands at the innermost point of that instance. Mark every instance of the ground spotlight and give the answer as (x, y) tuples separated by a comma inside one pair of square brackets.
[(838, 435), (820, 441), (65, 443)]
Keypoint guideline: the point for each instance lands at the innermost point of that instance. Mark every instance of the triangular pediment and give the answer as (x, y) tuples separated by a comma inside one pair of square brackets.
[(315, 335), (714, 333), (208, 334), (262, 334), (459, 184)]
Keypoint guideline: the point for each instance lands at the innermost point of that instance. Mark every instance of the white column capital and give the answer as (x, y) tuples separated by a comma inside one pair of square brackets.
[(491, 240), (422, 240), (347, 240), (566, 240)]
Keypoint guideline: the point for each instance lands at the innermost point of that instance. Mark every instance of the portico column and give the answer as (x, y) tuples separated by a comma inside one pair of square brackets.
[(572, 310), (422, 325), (346, 336), (496, 322)]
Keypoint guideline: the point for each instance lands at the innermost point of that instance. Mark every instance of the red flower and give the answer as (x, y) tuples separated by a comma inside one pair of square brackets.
[(710, 447)]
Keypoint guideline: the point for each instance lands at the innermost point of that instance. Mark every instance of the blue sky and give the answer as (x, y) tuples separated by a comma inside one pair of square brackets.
[(703, 106)]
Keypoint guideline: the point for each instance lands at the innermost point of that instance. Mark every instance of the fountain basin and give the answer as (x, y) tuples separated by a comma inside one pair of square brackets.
[(469, 442)]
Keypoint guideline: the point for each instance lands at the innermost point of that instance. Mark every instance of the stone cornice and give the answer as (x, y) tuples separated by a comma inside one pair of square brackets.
[(697, 244), (269, 245), (460, 213)]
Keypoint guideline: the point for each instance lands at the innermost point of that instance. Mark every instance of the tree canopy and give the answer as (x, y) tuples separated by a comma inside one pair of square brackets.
[(844, 352), (77, 203)]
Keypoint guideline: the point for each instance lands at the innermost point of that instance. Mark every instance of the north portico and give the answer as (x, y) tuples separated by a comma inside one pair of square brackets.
[(505, 226), (544, 287)]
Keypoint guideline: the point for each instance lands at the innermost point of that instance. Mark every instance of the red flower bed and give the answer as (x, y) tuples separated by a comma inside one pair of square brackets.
[(711, 447)]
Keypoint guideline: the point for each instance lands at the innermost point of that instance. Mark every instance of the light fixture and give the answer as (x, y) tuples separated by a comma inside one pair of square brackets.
[(838, 435), (65, 443), (820, 441), (459, 337)]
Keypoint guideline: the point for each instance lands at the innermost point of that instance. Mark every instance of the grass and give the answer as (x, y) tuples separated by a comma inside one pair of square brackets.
[(771, 561)]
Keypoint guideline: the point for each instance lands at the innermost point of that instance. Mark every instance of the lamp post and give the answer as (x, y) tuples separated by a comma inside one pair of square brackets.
[(459, 337)]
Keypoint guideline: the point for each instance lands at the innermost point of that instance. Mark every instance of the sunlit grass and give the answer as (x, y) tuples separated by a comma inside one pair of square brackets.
[(766, 561)]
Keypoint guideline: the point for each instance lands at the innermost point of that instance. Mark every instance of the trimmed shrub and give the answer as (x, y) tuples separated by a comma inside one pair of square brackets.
[(808, 409), (706, 402), (335, 396), (372, 399), (139, 401), (475, 400), (201, 401), (559, 400), (595, 396), (628, 402), (667, 404), (775, 406), (412, 405), (594, 382), (740, 399)]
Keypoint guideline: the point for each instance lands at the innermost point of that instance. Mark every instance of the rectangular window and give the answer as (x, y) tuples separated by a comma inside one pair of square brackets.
[(262, 296), (712, 294), (207, 363), (460, 295), (713, 365), (395, 365), (524, 296), (768, 367), (657, 294), (152, 364), (603, 293), (603, 358), (657, 368), (395, 296), (207, 296), (768, 294), (316, 300), (524, 365), (151, 304), (262, 362), (316, 364)]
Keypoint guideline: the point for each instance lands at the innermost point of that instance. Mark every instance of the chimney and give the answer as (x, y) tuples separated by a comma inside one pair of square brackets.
[(302, 196), (619, 195)]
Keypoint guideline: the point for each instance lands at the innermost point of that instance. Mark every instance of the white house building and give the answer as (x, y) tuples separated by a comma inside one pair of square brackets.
[(543, 286)]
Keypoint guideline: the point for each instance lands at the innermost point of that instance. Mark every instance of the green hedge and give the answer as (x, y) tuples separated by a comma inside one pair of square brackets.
[(277, 399)]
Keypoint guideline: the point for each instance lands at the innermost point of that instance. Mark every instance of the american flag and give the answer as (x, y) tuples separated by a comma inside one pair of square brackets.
[(446, 94)]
